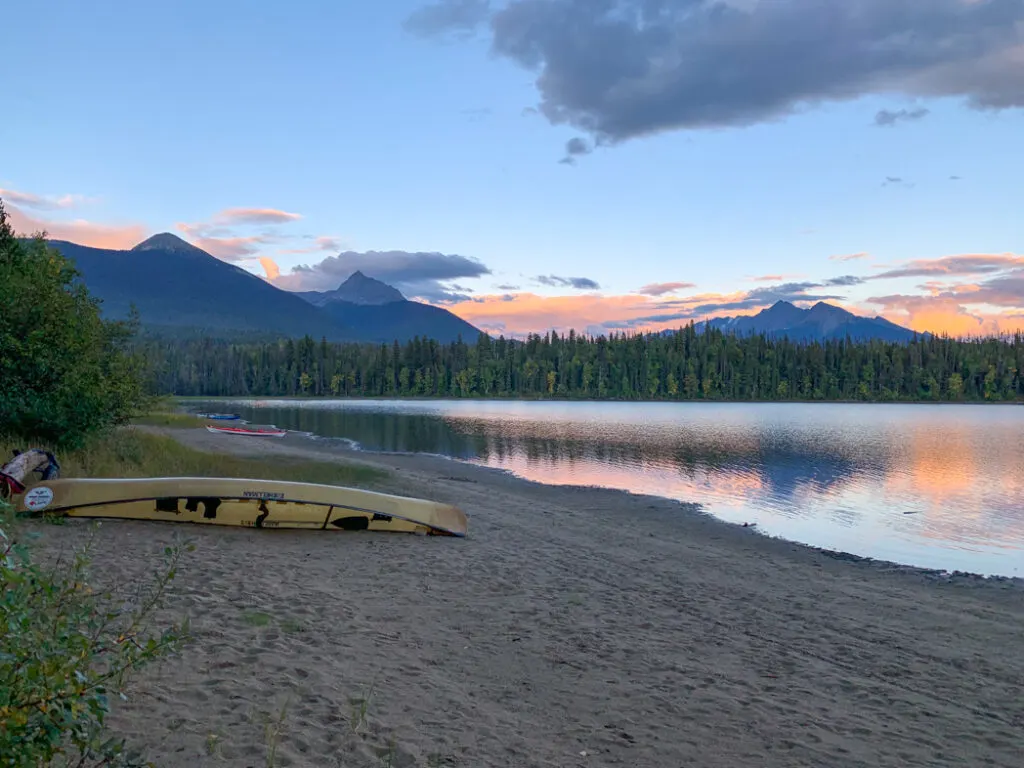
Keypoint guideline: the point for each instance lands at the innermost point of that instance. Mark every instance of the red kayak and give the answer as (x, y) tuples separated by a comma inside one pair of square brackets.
[(255, 432)]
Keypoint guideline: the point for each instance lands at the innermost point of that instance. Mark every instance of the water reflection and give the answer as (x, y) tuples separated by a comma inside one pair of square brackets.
[(939, 486)]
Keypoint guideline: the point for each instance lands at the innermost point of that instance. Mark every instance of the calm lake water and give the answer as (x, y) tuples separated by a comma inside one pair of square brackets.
[(933, 486)]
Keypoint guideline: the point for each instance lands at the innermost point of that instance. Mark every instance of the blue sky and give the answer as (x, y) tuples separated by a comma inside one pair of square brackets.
[(135, 118)]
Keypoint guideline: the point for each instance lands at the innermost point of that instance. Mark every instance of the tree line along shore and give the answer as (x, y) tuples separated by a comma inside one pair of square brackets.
[(687, 364)]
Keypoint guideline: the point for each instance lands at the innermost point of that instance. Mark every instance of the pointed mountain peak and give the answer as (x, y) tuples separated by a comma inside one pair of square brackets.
[(780, 304), (165, 241), (360, 289), (823, 308)]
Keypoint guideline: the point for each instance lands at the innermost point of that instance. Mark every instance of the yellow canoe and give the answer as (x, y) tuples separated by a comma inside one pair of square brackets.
[(241, 502)]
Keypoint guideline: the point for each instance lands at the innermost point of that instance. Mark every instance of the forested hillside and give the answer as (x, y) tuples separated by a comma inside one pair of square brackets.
[(687, 365)]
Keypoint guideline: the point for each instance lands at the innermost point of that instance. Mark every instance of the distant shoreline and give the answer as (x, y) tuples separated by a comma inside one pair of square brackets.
[(439, 398)]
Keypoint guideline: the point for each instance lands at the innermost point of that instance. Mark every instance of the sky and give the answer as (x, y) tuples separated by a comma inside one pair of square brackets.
[(603, 165)]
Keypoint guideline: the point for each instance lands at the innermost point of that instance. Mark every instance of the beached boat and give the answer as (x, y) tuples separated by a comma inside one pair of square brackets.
[(219, 416), (241, 502), (255, 431)]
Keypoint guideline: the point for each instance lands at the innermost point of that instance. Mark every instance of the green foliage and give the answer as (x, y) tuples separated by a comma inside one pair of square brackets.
[(685, 365), (65, 373), (65, 650)]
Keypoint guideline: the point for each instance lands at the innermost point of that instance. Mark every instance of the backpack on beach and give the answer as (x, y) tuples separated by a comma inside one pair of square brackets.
[(13, 474)]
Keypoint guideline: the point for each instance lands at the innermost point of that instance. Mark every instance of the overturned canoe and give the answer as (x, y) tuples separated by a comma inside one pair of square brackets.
[(246, 503)]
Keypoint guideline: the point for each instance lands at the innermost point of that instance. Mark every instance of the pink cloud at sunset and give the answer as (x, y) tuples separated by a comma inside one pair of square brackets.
[(41, 202), (520, 313), (255, 216), (945, 314), (231, 248), (221, 237), (79, 230), (660, 289), (270, 268)]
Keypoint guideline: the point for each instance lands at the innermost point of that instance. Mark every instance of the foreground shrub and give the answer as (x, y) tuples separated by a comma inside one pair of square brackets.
[(65, 650), (65, 372)]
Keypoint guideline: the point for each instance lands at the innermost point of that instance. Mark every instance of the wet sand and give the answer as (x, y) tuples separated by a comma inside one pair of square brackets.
[(572, 627)]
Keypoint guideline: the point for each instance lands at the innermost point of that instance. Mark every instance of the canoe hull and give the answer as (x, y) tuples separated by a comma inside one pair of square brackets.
[(243, 503), (247, 432)]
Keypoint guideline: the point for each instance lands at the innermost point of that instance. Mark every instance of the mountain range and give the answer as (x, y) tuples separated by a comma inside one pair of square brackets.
[(181, 289), (382, 313), (822, 322)]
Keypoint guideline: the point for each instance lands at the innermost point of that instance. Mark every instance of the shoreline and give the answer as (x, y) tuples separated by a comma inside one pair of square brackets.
[(638, 630), (481, 398), (383, 459), (349, 449)]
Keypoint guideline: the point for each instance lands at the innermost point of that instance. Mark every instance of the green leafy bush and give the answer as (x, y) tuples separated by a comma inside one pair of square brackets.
[(65, 373), (65, 650)]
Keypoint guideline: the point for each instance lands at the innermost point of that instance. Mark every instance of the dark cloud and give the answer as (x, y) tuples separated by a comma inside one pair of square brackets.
[(580, 283), (969, 264), (620, 69), (1005, 291), (887, 118), (424, 275), (955, 178), (575, 147), (508, 287), (845, 280), (459, 17), (660, 289)]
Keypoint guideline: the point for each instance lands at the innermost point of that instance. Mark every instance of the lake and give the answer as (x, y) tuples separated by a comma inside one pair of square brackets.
[(937, 486)]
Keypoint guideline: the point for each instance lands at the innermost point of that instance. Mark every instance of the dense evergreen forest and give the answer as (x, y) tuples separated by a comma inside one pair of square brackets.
[(686, 365)]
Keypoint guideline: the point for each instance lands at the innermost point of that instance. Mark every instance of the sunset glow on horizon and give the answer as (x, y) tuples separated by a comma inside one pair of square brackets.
[(487, 165), (941, 307)]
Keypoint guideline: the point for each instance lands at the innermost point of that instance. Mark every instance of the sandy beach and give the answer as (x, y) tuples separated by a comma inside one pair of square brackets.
[(572, 627)]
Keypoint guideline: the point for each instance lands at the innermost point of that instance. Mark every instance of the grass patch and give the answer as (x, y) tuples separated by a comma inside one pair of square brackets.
[(256, 618), (131, 453)]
